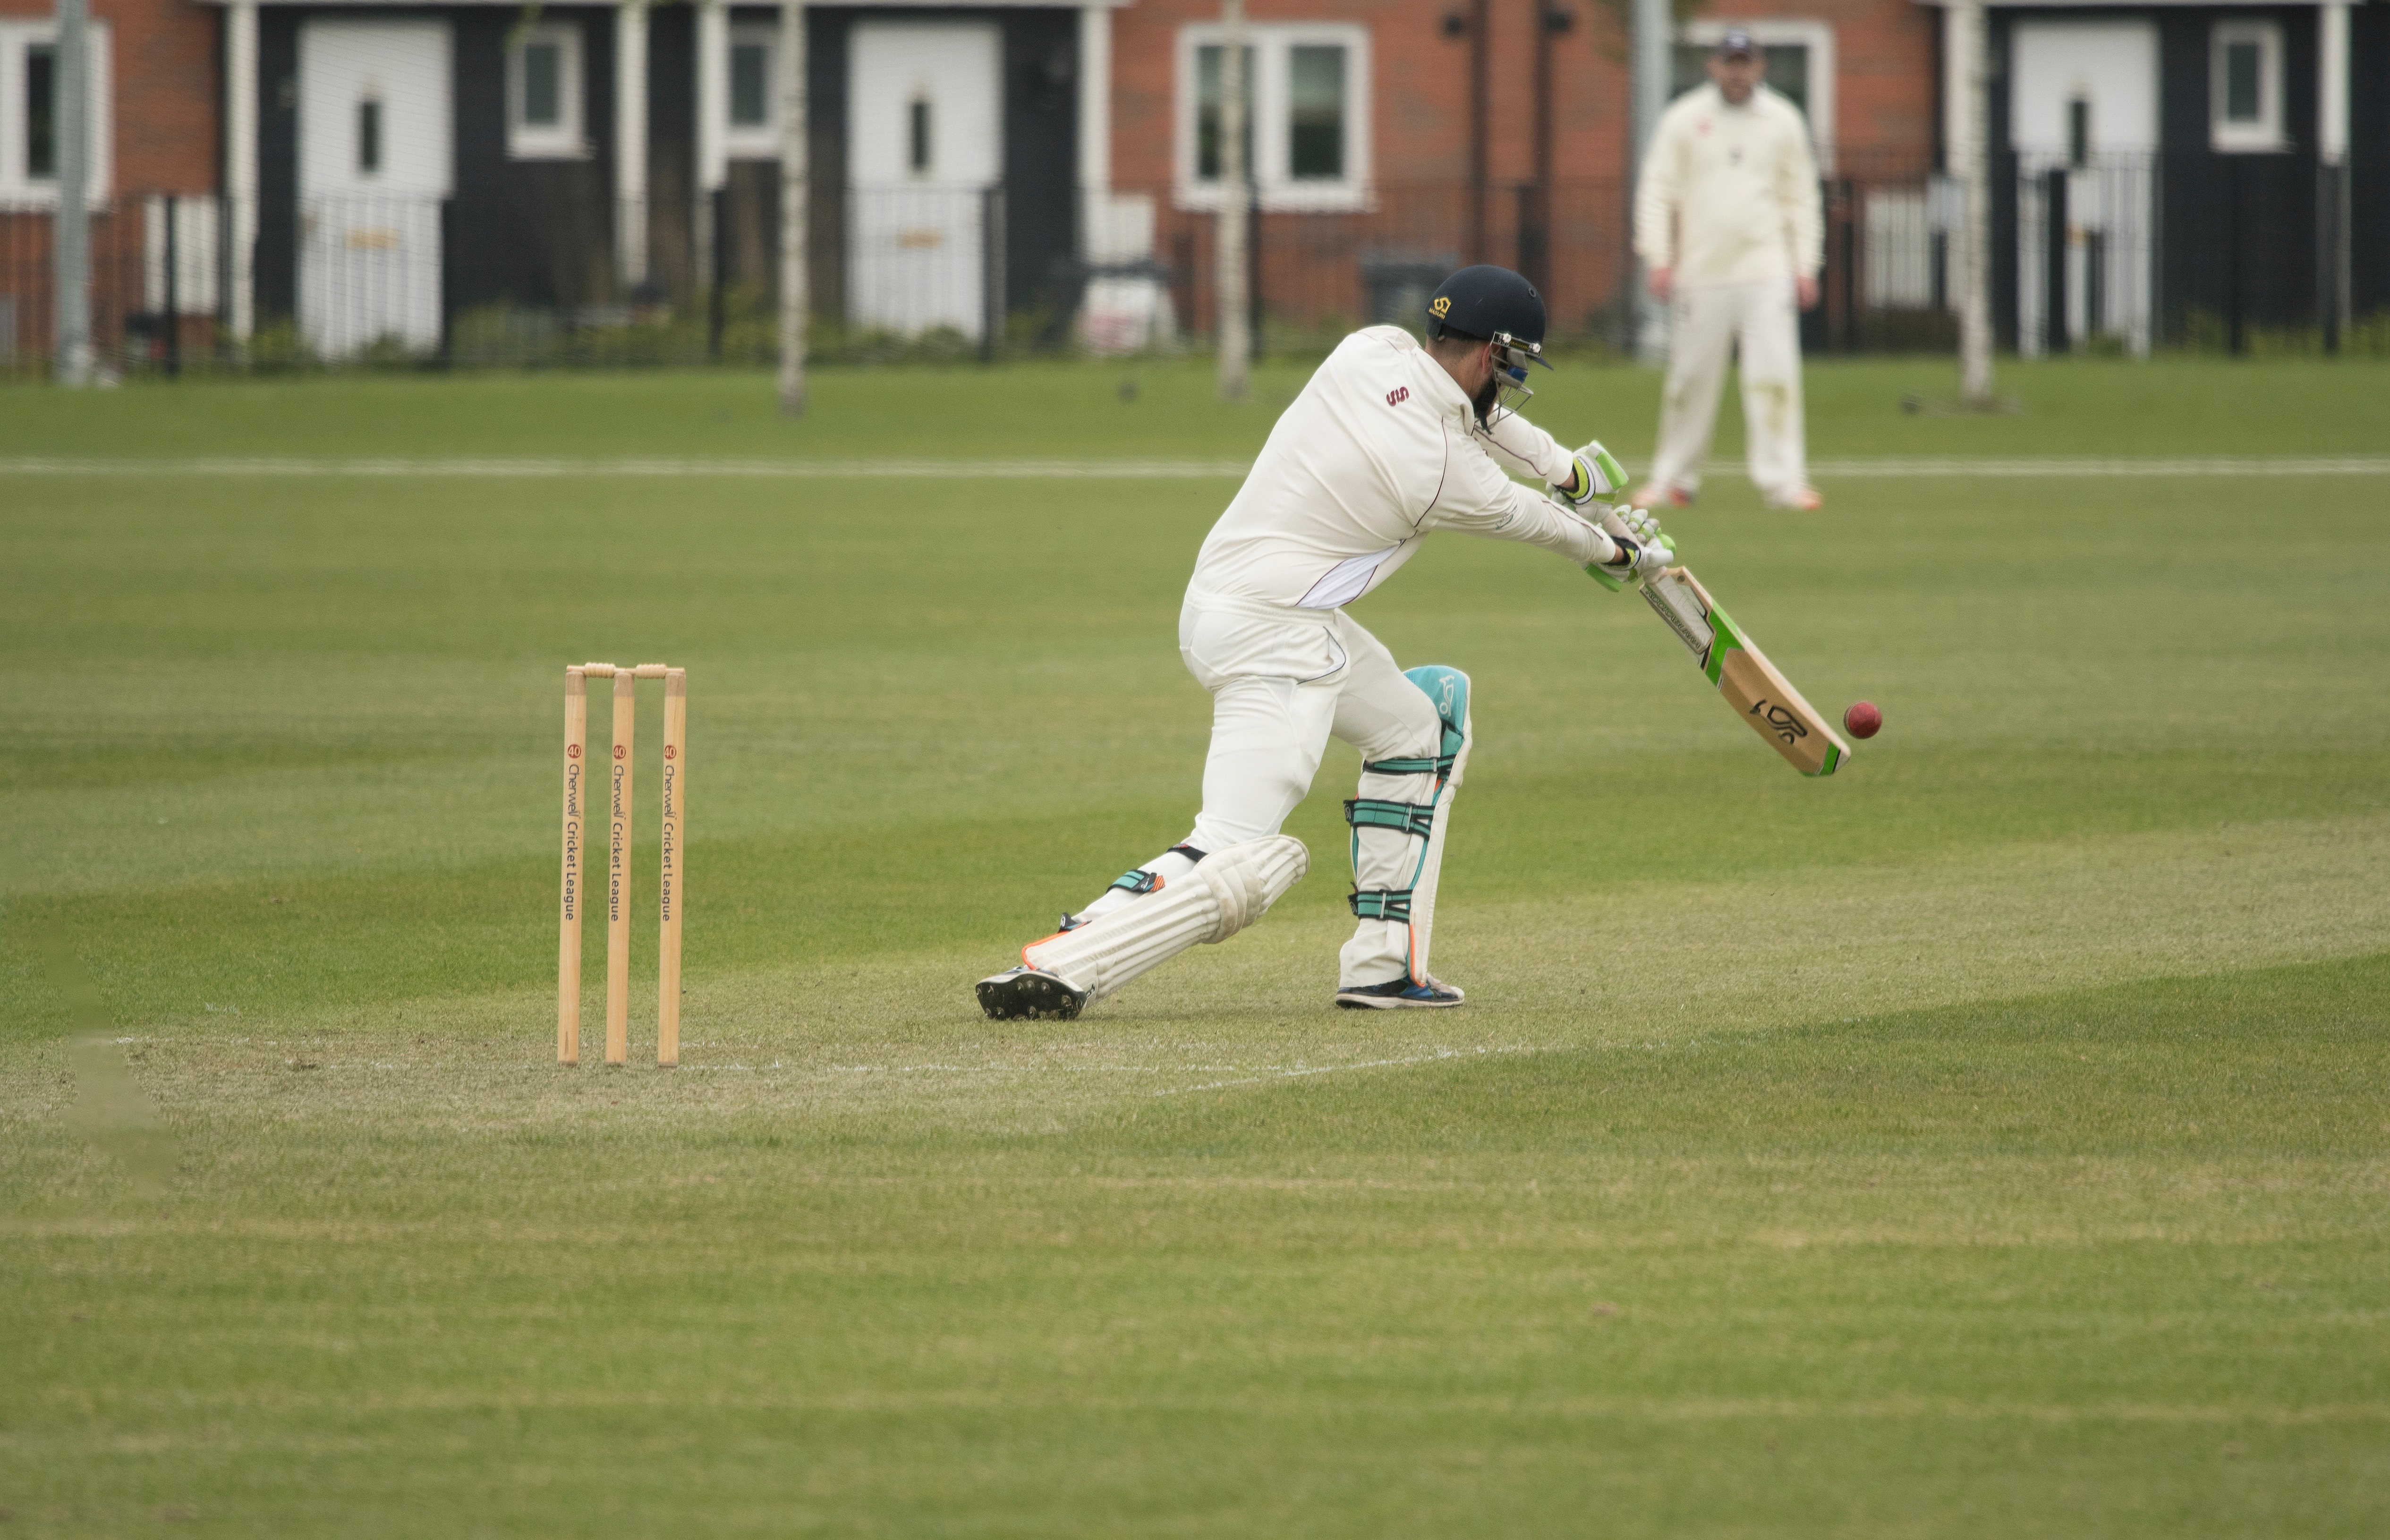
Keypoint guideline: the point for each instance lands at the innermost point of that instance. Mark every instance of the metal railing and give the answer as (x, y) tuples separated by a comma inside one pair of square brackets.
[(157, 288), (2080, 261)]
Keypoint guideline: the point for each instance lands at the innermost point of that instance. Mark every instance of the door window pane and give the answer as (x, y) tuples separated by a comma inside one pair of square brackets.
[(1207, 112), (2241, 90), (40, 112), (751, 78), (543, 74), (1315, 89)]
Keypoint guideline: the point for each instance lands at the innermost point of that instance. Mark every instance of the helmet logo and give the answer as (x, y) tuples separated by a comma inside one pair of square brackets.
[(1442, 307)]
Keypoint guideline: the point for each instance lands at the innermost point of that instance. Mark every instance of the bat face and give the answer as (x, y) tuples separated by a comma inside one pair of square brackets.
[(1742, 673)]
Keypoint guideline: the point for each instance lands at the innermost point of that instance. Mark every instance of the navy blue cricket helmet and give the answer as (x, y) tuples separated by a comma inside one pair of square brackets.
[(1490, 303)]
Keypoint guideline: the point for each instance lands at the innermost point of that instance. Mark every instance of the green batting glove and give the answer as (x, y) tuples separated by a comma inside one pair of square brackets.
[(1643, 550), (1599, 477)]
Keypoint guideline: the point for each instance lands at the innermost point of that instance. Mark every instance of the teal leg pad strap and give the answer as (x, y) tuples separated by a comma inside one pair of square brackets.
[(1393, 903), (1413, 819)]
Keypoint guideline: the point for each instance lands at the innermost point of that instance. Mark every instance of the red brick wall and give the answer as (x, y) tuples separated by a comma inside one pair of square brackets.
[(1884, 85), (1420, 95), (166, 92)]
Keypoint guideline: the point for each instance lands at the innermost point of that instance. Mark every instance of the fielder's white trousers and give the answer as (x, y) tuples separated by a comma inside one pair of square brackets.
[(1282, 683), (1761, 322)]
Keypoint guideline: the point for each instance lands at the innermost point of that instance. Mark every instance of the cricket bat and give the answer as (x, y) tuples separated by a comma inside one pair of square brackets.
[(1742, 673)]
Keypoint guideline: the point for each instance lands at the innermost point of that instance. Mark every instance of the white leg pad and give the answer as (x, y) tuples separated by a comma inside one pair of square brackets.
[(1423, 885), (1227, 890)]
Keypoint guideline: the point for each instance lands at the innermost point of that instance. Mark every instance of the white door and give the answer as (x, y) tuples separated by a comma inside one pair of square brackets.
[(374, 163), (2083, 96), (925, 144)]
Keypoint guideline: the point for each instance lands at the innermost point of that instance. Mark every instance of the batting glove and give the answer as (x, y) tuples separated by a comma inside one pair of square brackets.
[(1639, 549), (1599, 477)]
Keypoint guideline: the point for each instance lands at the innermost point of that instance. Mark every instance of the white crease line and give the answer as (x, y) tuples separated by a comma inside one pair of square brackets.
[(778, 470), (2324, 465), (2319, 464), (1330, 1069)]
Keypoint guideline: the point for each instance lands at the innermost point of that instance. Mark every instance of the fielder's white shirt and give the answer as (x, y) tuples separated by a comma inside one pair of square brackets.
[(1381, 448), (1729, 194)]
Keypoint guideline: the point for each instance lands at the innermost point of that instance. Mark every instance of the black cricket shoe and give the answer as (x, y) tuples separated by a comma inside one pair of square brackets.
[(1024, 994), (1400, 994)]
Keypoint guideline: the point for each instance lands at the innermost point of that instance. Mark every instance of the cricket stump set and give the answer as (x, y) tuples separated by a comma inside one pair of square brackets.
[(617, 792)]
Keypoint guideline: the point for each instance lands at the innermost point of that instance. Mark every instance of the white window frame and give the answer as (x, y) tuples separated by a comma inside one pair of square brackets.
[(2265, 135), (17, 188), (565, 139), (1776, 31), (747, 141), (1271, 104)]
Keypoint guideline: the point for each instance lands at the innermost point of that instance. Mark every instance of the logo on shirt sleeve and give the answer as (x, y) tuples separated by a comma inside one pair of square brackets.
[(1399, 395)]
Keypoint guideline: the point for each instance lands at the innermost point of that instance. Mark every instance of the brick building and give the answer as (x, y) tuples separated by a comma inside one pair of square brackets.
[(156, 108), (366, 174)]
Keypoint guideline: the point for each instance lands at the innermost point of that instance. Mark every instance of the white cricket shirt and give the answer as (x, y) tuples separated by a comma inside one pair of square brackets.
[(1380, 447), (1729, 194)]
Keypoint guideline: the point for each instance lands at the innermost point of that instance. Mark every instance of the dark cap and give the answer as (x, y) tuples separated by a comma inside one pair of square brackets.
[(1735, 43), (1486, 302)]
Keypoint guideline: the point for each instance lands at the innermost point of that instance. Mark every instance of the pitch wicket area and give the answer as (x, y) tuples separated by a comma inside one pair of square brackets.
[(618, 855)]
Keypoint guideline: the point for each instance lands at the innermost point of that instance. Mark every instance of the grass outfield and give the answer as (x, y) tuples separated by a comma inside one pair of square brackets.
[(1991, 1140)]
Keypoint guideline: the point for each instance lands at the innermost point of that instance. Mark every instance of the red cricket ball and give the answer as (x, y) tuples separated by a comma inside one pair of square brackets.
[(1862, 720)]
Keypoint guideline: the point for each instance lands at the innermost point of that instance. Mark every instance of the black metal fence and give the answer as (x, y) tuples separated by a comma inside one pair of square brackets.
[(2122, 253), (156, 284)]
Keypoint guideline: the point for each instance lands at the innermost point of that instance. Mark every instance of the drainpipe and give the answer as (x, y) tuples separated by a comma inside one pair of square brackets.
[(1096, 241), (1235, 196), (71, 262), (240, 168), (713, 159), (1481, 93), (1653, 33), (631, 141), (1965, 44), (796, 226), (2331, 147)]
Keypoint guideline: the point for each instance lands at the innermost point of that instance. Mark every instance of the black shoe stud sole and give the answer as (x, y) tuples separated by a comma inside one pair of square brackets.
[(1029, 997)]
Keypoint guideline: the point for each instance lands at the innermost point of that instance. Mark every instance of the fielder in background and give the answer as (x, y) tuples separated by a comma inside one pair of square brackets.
[(1729, 225), (1391, 438)]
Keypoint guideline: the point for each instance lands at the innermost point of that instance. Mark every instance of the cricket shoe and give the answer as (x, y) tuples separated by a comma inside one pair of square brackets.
[(1400, 994), (1658, 496), (1024, 994), (1805, 500)]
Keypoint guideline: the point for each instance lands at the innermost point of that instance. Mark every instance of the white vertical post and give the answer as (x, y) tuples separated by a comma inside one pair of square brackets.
[(1654, 33), (1965, 46), (1228, 266), (70, 260), (2332, 83), (240, 168), (2331, 143), (631, 141), (712, 118), (796, 189), (1095, 167)]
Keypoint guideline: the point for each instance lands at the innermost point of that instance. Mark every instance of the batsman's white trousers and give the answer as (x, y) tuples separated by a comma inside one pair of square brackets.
[(1282, 683), (1707, 324)]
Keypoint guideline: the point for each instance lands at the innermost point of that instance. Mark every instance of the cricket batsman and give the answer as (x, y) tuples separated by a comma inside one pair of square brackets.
[(1391, 440)]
